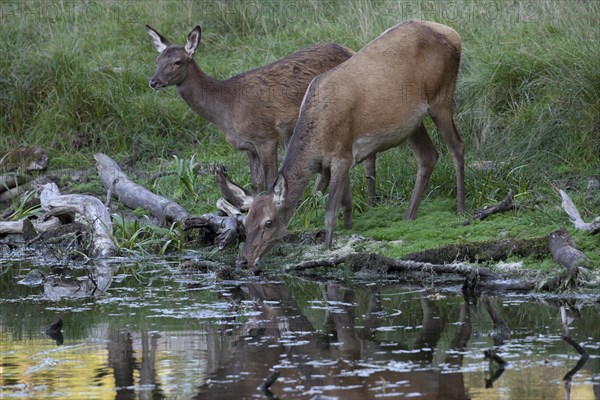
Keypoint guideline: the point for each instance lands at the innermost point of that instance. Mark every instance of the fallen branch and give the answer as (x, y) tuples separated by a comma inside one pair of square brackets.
[(573, 213), (378, 262), (16, 227), (505, 205), (233, 193), (478, 251), (84, 209), (134, 196), (565, 253), (226, 228)]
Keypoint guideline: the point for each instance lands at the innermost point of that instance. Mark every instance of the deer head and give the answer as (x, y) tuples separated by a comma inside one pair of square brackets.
[(265, 223), (173, 63)]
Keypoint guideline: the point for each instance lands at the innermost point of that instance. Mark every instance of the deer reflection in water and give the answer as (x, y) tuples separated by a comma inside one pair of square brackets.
[(334, 356)]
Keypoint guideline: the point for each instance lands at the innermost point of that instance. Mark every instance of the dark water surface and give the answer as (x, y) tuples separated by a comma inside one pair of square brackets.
[(159, 332)]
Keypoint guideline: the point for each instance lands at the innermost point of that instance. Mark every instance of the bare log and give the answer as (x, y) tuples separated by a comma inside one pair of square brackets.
[(391, 265), (226, 228), (565, 253), (10, 181), (16, 227), (133, 195), (483, 251), (573, 213), (84, 209), (11, 193), (505, 205)]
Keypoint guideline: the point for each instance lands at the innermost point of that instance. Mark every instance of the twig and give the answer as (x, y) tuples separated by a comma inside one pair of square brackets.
[(505, 205)]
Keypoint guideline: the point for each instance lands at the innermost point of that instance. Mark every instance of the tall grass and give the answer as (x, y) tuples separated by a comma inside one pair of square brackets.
[(74, 79)]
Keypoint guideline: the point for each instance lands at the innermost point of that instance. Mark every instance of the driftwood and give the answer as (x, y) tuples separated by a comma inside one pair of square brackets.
[(41, 225), (505, 205), (483, 251), (565, 253), (573, 213), (133, 195), (236, 195), (226, 228), (84, 209), (378, 262)]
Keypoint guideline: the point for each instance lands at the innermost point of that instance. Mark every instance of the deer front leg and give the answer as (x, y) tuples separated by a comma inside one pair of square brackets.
[(268, 159), (257, 178), (338, 190)]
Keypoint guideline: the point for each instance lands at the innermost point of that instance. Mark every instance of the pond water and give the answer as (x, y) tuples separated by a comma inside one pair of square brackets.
[(152, 330)]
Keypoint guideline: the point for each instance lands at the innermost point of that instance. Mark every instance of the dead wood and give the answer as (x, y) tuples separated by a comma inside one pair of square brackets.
[(565, 253), (372, 261), (238, 196), (505, 205), (40, 225), (84, 209), (12, 180), (221, 230), (573, 213), (33, 158), (135, 196), (483, 251)]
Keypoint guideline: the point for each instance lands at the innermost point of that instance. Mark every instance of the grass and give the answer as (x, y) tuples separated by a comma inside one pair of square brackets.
[(74, 80)]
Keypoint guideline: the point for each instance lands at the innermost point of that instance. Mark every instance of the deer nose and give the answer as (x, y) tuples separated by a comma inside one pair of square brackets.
[(155, 83)]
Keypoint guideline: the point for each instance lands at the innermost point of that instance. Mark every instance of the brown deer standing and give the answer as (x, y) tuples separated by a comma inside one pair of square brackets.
[(257, 110), (381, 96)]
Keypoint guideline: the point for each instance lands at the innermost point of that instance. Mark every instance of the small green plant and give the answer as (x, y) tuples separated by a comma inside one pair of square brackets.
[(25, 206), (312, 209), (133, 237)]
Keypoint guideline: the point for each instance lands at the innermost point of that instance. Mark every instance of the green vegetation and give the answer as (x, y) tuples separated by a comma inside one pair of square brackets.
[(74, 80)]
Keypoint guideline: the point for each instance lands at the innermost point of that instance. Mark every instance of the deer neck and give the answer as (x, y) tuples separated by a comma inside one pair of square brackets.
[(208, 97)]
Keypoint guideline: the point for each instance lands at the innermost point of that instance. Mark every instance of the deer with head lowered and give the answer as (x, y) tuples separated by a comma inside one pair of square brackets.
[(257, 110), (382, 95)]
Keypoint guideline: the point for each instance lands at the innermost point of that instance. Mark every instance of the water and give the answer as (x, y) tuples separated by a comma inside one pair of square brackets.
[(156, 331)]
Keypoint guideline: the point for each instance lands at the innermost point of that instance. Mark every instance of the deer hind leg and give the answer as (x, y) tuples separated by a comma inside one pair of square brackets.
[(442, 117), (426, 155), (339, 188), (322, 181), (370, 174)]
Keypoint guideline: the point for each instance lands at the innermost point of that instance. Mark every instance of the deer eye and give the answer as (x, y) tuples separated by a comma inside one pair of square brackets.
[(178, 62), (268, 223)]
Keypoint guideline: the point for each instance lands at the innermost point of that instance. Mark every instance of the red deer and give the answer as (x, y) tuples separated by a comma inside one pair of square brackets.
[(381, 96), (257, 110)]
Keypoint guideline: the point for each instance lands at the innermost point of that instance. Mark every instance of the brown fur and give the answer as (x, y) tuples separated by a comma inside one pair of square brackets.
[(372, 102), (257, 110)]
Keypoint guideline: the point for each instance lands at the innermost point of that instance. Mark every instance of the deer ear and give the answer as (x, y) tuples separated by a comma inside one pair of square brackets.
[(158, 41), (193, 40), (279, 190)]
